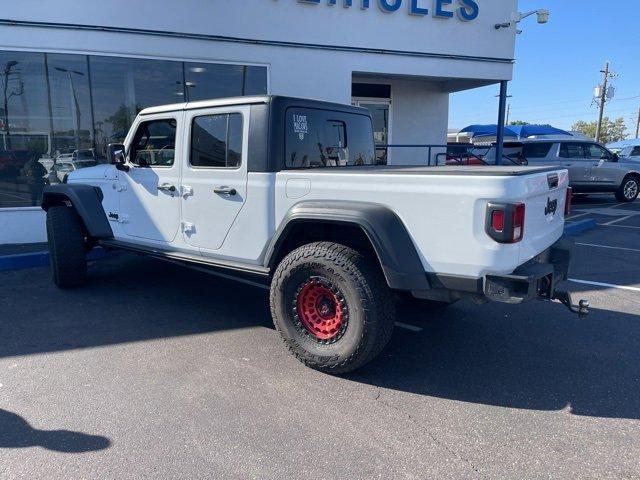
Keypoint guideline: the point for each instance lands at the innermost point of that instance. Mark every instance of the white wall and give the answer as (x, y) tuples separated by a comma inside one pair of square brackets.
[(294, 21), (420, 115)]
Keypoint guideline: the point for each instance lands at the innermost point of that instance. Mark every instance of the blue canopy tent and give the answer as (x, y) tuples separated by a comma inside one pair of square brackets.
[(526, 131), (487, 131)]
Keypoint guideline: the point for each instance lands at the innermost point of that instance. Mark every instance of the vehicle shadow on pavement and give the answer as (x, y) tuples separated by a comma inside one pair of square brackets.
[(15, 432), (537, 356), (128, 299)]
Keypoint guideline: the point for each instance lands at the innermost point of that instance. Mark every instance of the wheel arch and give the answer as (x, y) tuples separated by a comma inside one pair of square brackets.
[(87, 202), (359, 224)]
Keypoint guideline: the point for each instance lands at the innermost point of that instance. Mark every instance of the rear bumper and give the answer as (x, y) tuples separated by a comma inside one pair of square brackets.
[(538, 278)]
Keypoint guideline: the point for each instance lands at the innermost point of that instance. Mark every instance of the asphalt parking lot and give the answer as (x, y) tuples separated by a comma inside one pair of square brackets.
[(154, 371)]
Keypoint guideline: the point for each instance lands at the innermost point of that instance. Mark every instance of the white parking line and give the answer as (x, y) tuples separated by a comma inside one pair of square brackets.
[(607, 246), (406, 326), (608, 285), (620, 219), (572, 217), (619, 226)]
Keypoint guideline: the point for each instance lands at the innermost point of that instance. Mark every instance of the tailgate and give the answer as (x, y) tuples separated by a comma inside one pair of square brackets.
[(545, 198)]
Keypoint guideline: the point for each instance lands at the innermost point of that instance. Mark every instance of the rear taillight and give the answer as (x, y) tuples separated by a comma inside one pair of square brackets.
[(505, 222), (567, 203), (517, 231)]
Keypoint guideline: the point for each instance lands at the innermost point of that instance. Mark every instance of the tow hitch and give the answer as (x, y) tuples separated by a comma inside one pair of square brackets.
[(564, 297)]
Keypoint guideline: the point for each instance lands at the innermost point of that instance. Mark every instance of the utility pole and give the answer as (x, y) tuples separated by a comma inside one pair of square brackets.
[(602, 99), (508, 113), (638, 125)]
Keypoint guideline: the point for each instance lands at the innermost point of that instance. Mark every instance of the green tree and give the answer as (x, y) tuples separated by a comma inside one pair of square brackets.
[(519, 122), (612, 131)]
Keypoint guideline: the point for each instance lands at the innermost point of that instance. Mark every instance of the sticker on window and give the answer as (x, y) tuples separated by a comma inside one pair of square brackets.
[(300, 125)]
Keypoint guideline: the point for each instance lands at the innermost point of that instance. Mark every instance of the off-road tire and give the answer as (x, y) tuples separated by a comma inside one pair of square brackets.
[(368, 302), (629, 189), (66, 247)]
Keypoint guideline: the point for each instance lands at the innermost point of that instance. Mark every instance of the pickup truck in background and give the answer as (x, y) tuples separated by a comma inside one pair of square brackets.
[(286, 193)]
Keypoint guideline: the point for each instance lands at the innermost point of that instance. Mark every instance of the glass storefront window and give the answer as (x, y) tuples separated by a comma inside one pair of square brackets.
[(24, 128), (205, 81), (122, 87), (58, 112)]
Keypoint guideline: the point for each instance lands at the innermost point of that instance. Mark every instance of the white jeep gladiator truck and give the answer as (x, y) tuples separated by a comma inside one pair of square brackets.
[(286, 193)]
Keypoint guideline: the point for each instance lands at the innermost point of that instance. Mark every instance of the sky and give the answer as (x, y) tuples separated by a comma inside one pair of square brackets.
[(558, 65)]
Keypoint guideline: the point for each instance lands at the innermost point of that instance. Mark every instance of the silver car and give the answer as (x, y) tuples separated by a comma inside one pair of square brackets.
[(592, 168)]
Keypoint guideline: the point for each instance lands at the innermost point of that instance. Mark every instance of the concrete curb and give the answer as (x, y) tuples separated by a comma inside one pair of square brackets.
[(39, 259), (581, 226)]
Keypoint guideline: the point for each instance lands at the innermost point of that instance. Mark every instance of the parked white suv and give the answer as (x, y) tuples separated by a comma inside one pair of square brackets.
[(592, 167), (285, 192)]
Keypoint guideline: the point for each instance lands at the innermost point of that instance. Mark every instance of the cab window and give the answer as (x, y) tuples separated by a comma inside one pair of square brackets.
[(154, 144)]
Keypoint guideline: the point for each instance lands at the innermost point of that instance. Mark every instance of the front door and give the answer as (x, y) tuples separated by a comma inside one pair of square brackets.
[(149, 191), (380, 110), (214, 180), (604, 171)]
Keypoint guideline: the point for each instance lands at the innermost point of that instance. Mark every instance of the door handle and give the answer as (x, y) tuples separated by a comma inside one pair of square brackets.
[(167, 187), (225, 191)]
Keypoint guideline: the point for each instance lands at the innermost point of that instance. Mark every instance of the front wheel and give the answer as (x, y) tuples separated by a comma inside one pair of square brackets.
[(629, 189), (332, 307), (66, 247)]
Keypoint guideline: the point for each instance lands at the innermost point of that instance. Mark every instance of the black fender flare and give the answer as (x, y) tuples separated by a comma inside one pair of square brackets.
[(387, 233), (86, 200)]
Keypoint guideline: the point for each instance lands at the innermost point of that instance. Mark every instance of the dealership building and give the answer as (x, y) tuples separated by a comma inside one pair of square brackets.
[(73, 75)]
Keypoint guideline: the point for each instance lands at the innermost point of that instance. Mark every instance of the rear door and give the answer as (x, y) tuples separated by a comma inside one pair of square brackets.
[(214, 180), (575, 158)]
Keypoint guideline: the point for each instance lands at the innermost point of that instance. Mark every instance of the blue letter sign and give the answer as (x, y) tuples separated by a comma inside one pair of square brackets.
[(467, 9)]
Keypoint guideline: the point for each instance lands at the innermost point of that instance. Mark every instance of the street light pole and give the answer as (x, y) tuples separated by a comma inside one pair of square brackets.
[(501, 118), (602, 100)]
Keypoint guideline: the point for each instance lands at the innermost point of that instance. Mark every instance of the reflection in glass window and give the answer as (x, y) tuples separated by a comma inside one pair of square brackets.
[(205, 80), (24, 128), (216, 141), (123, 87), (58, 112), (255, 81)]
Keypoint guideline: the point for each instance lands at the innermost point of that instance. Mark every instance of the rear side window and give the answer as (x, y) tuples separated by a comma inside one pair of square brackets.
[(572, 150), (323, 138), (216, 141), (536, 150)]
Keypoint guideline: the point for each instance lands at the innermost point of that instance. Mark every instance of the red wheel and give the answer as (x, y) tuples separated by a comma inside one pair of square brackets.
[(321, 310), (332, 306)]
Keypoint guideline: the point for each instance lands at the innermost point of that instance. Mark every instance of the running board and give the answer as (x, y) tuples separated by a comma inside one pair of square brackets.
[(189, 259)]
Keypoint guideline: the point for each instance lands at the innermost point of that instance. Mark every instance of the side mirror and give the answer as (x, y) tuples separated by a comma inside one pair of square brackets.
[(615, 157), (116, 155)]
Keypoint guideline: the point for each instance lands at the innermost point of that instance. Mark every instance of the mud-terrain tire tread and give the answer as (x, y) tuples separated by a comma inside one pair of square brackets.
[(377, 298), (66, 247)]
